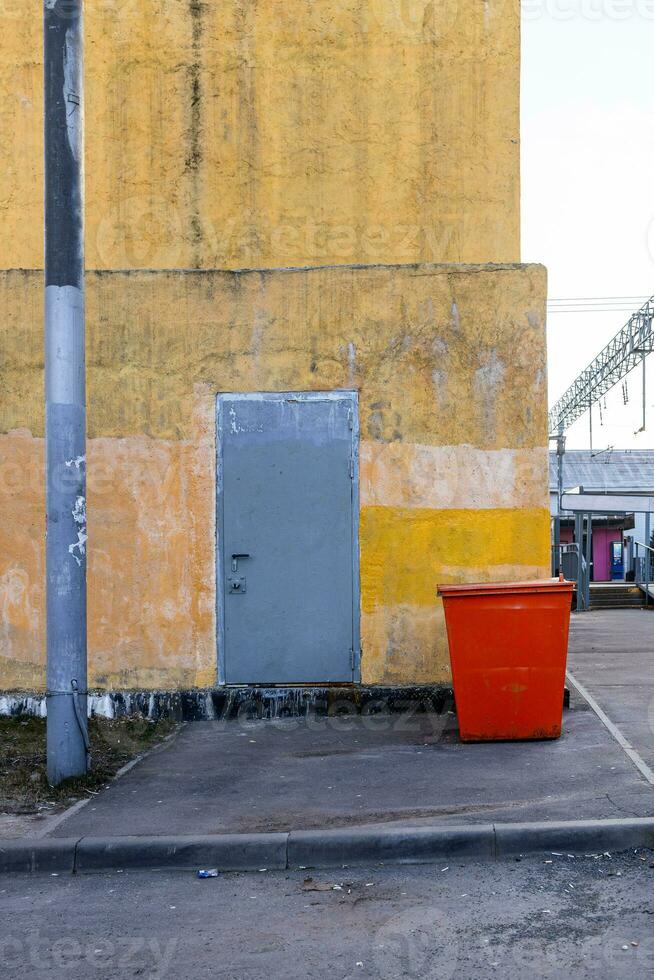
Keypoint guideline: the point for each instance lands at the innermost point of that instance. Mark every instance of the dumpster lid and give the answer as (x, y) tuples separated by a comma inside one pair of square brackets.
[(505, 588)]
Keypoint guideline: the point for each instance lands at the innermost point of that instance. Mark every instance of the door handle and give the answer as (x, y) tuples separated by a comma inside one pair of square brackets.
[(235, 559)]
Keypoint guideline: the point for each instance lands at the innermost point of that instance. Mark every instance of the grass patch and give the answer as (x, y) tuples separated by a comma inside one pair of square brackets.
[(24, 786)]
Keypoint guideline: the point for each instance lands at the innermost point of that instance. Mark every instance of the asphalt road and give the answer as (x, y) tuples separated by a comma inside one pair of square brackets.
[(571, 918)]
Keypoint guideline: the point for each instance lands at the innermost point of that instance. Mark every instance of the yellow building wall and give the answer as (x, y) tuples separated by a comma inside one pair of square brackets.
[(449, 362), (276, 133)]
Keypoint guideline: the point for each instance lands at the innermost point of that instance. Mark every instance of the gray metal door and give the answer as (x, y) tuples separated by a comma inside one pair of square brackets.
[(288, 538)]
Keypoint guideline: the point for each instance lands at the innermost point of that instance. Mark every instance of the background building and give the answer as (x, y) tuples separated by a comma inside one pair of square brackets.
[(613, 536), (281, 198)]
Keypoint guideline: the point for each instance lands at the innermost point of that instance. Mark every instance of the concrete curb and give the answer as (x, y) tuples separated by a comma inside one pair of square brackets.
[(388, 845), (574, 836), (38, 856), (231, 852), (325, 848)]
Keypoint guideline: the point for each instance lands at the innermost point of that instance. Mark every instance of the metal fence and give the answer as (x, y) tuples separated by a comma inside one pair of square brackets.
[(643, 567), (569, 559)]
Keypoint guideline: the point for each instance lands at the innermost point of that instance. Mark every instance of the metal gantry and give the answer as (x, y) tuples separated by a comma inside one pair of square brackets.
[(627, 349)]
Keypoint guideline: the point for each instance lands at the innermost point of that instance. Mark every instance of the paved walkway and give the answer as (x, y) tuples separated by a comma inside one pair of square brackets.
[(612, 655), (270, 776)]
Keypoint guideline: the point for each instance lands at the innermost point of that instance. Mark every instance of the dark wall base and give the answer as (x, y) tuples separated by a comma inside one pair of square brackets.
[(250, 702)]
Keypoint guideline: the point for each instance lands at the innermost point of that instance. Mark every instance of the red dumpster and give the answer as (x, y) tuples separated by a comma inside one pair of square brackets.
[(508, 648)]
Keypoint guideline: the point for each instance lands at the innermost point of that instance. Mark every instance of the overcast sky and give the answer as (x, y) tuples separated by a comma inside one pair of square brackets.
[(588, 186)]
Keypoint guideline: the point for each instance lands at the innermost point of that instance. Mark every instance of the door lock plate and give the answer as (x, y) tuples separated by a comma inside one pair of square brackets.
[(237, 584)]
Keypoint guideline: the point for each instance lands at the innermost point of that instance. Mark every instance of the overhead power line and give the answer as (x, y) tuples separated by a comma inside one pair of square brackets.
[(595, 299), (594, 304), (591, 309)]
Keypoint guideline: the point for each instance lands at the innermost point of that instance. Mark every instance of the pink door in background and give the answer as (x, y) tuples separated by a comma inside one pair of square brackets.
[(602, 538)]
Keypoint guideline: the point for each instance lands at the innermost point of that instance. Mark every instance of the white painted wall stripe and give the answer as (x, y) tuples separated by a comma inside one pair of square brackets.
[(413, 475)]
